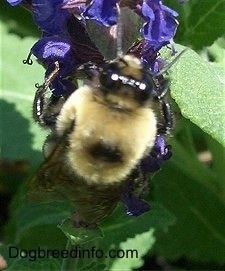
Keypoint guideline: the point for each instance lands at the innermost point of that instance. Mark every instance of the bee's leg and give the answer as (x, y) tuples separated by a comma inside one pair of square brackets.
[(161, 86), (167, 122), (87, 71), (54, 105), (39, 104), (40, 101)]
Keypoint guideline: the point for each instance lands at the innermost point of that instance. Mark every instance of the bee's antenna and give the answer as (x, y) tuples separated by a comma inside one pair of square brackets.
[(168, 66), (119, 33)]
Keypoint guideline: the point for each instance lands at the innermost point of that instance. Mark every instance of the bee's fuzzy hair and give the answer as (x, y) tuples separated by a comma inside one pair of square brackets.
[(132, 133)]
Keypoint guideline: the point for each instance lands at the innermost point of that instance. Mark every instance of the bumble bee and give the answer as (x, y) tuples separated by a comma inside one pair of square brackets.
[(99, 135)]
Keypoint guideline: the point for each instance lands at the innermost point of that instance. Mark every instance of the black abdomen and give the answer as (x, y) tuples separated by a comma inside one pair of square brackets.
[(106, 152)]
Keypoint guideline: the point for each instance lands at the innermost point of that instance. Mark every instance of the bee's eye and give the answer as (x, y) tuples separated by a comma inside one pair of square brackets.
[(145, 89), (110, 79), (143, 92)]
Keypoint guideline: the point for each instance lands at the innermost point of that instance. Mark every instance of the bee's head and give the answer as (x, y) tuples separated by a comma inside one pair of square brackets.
[(126, 79)]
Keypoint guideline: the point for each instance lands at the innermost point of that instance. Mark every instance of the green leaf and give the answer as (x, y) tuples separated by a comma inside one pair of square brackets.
[(121, 233), (205, 22), (200, 22), (27, 215), (218, 158), (27, 260), (199, 229), (199, 90), (217, 52), (121, 230), (131, 257), (18, 20), (16, 97), (117, 236), (115, 227)]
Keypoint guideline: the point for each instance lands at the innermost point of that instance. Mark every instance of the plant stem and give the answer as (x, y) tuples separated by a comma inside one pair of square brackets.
[(69, 263)]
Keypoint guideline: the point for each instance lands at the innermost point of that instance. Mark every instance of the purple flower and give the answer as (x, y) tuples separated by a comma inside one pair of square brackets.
[(14, 2), (133, 191), (131, 198), (147, 53), (134, 206), (160, 153), (48, 50), (102, 11), (161, 24), (75, 6), (65, 40), (50, 17), (159, 28), (51, 49)]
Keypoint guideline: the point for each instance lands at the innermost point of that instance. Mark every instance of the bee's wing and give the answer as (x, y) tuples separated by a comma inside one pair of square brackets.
[(94, 203), (108, 39), (45, 185), (56, 181)]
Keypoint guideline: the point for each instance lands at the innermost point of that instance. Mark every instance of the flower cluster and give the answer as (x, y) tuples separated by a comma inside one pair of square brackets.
[(65, 39)]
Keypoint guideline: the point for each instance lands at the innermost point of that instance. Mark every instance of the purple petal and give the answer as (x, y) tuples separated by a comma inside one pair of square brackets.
[(50, 16), (161, 24), (76, 6), (158, 155), (147, 53), (14, 2), (134, 205), (102, 11), (51, 49)]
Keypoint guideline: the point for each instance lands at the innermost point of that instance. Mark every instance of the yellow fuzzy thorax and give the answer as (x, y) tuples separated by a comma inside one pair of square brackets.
[(131, 132)]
